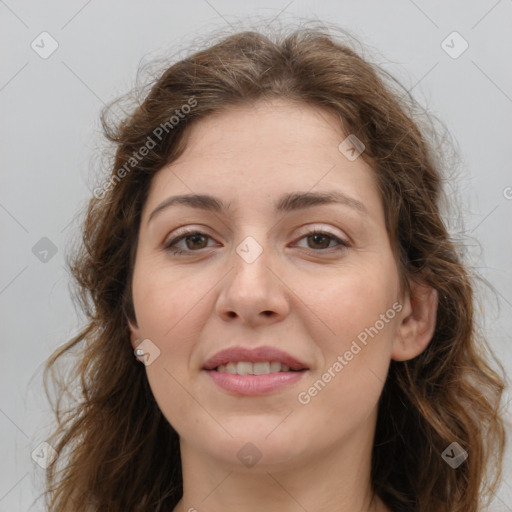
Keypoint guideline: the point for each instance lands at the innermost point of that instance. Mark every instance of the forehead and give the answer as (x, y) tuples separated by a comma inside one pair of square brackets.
[(250, 154), (257, 131)]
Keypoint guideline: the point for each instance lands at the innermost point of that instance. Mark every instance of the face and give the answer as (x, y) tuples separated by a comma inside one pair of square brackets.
[(315, 280)]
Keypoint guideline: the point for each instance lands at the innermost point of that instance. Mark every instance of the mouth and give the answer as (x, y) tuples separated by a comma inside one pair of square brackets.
[(259, 368), (262, 370), (255, 361)]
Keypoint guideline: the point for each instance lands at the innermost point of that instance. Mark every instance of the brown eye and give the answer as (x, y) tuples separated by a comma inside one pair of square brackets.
[(192, 241), (321, 241), (196, 239)]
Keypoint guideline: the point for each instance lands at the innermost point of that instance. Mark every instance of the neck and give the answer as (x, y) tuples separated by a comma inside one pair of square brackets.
[(336, 480)]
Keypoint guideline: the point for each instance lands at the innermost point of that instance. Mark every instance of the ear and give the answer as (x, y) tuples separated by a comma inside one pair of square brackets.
[(418, 323), (134, 334)]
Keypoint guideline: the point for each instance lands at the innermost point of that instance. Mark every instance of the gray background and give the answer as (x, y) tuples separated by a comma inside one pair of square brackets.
[(50, 142)]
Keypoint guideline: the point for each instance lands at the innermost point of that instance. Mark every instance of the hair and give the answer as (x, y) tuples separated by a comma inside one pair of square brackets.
[(116, 450)]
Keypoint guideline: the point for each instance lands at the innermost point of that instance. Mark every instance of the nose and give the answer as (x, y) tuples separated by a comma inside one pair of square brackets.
[(253, 291)]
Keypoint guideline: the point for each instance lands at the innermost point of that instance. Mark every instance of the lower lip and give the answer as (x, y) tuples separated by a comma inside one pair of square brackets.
[(254, 384)]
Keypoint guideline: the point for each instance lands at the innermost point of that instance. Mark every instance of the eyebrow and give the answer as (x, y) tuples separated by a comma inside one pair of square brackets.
[(287, 203)]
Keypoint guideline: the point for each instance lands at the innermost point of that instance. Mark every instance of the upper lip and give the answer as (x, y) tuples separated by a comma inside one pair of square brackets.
[(253, 355)]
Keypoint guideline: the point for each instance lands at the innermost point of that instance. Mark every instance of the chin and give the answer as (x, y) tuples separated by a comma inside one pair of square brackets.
[(255, 448)]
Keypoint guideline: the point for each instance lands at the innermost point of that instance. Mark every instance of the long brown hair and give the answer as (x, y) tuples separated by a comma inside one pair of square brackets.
[(116, 450)]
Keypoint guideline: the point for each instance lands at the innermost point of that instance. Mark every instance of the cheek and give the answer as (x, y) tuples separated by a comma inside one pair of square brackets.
[(166, 302), (170, 311), (348, 301), (361, 307), (345, 388), (354, 326)]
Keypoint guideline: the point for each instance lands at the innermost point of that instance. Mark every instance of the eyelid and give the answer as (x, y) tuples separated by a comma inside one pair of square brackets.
[(341, 242), (187, 229), (305, 230), (321, 227), (181, 233)]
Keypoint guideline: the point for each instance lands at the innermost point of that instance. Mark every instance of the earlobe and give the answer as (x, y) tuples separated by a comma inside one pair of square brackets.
[(418, 323)]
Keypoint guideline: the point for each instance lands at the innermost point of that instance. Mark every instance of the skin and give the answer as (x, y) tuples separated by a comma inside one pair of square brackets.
[(299, 296)]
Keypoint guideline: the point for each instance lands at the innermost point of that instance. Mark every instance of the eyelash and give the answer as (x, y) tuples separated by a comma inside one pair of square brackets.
[(170, 246)]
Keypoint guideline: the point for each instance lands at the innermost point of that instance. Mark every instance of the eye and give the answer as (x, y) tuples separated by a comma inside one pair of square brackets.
[(193, 240), (321, 240)]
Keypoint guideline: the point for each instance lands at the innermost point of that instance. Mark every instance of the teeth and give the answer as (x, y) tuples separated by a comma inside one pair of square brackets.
[(244, 368), (261, 368), (247, 368), (231, 368), (275, 366)]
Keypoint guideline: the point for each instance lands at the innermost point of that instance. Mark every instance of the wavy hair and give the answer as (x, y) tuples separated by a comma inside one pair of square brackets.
[(116, 450)]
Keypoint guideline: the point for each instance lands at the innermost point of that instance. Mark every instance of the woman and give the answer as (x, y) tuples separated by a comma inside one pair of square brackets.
[(278, 317)]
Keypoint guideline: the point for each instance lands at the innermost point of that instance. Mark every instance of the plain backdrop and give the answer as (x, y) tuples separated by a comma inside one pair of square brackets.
[(50, 139)]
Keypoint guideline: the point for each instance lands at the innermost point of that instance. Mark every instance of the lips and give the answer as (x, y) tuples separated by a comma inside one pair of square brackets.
[(255, 355)]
